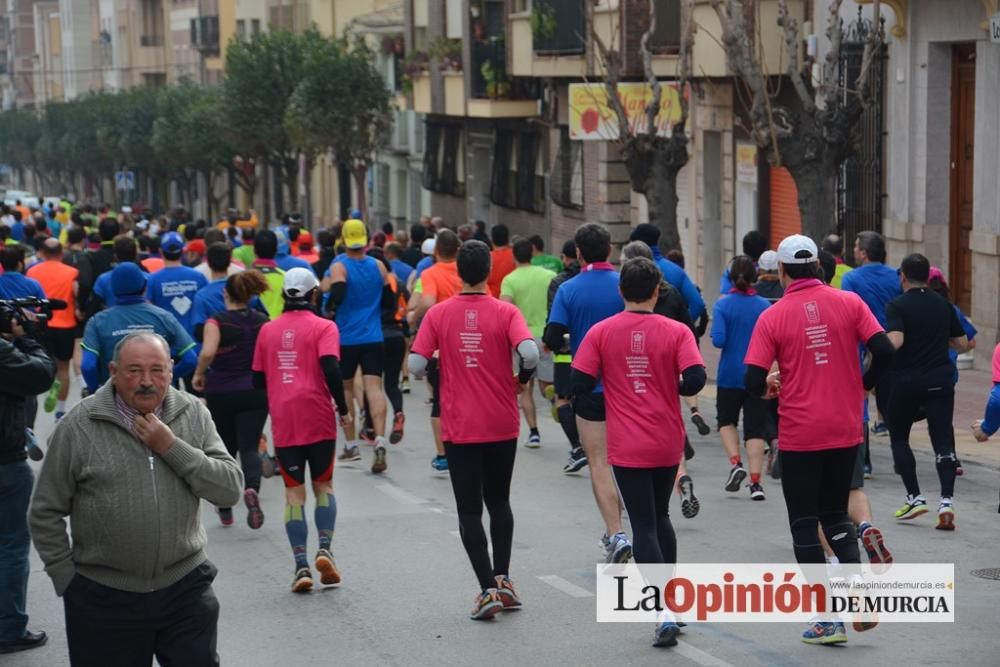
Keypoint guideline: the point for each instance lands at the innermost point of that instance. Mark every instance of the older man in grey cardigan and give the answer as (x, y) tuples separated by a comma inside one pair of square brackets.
[(129, 466)]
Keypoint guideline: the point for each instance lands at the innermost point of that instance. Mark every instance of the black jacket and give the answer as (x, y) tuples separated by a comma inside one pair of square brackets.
[(25, 370)]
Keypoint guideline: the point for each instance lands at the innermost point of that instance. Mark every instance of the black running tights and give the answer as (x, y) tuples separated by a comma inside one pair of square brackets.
[(239, 418), (816, 485), (646, 494), (480, 473), (939, 405), (395, 349)]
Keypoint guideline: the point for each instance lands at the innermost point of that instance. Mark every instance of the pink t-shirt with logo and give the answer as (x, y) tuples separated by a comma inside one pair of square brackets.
[(996, 363), (288, 352), (474, 335), (639, 358), (813, 333)]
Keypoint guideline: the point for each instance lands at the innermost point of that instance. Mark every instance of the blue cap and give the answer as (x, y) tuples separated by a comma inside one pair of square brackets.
[(172, 243), (127, 278), (356, 214)]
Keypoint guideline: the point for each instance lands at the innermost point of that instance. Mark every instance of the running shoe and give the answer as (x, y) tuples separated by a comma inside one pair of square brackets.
[(825, 633), (871, 538), (736, 477), (52, 398), (958, 468), (487, 605), (379, 465), (880, 429), (688, 450), (35, 452), (757, 492), (699, 421), (368, 435), (666, 634), (440, 464), (577, 461), (405, 386), (226, 515), (350, 454), (506, 593), (534, 441), (397, 428), (268, 465), (619, 549), (689, 502), (913, 507), (255, 515), (303, 581), (60, 415), (549, 393), (329, 575), (868, 471), (946, 515)]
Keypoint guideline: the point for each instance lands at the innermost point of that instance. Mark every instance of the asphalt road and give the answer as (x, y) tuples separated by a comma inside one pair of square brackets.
[(408, 586)]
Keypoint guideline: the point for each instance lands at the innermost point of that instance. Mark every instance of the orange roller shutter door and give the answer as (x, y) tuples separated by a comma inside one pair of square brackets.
[(785, 217)]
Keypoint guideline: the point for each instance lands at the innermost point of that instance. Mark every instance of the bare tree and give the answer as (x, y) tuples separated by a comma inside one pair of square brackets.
[(653, 161), (814, 139)]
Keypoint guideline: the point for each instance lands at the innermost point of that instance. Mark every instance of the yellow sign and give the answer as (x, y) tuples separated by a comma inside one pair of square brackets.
[(746, 163), (591, 119)]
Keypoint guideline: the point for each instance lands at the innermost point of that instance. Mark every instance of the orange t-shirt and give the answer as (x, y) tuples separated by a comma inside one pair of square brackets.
[(503, 263), (441, 281), (153, 264), (57, 281)]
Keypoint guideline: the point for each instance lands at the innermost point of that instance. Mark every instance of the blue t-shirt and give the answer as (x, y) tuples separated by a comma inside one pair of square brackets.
[(17, 231), (401, 269), (15, 285), (733, 320), (288, 262), (679, 278), (359, 317), (424, 264), (584, 300), (208, 301), (102, 288), (173, 289), (109, 326), (970, 333), (876, 284)]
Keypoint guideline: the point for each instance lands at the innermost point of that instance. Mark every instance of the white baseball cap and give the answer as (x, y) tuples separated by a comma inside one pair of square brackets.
[(768, 261), (299, 282), (797, 249), (427, 247)]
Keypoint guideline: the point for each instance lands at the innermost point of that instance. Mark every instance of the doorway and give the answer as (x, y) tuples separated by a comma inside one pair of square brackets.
[(963, 127)]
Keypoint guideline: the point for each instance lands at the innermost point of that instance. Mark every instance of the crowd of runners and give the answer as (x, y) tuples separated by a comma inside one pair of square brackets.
[(275, 325)]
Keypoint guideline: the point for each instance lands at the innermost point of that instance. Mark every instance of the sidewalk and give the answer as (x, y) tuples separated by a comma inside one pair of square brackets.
[(973, 388)]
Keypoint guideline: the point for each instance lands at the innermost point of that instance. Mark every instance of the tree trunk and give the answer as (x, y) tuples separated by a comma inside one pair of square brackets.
[(653, 164), (265, 220), (360, 173), (817, 183)]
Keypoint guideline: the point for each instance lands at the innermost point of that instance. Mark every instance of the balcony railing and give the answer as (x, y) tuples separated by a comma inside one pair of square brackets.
[(558, 26), (489, 78)]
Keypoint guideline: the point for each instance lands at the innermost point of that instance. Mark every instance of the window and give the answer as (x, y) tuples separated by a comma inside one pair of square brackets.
[(254, 26), (667, 38), (241, 28), (444, 166), (567, 172), (558, 26), (518, 179)]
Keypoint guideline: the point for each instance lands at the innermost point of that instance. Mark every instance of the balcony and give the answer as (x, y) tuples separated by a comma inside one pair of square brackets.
[(454, 94), (542, 55), (494, 93), (205, 34)]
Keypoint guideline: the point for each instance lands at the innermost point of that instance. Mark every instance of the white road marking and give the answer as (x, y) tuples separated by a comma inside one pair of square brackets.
[(699, 656), (399, 495), (566, 587)]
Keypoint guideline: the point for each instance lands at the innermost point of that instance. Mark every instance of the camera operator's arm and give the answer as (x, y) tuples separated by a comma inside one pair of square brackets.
[(25, 368)]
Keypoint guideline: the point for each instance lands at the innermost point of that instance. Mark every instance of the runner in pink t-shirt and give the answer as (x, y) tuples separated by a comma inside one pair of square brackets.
[(813, 334), (646, 363), (297, 360), (474, 335)]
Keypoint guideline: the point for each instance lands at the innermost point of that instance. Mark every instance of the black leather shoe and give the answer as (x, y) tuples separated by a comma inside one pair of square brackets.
[(29, 640)]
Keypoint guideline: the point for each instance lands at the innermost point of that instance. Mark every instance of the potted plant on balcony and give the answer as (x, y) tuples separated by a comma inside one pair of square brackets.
[(543, 21), (414, 64), (495, 78), (448, 52)]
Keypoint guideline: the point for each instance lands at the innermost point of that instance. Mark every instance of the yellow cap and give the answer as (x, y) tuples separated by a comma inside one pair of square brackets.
[(355, 234)]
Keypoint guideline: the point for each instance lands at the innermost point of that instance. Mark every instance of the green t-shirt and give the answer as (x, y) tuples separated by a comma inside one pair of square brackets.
[(245, 255), (528, 288), (547, 262)]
